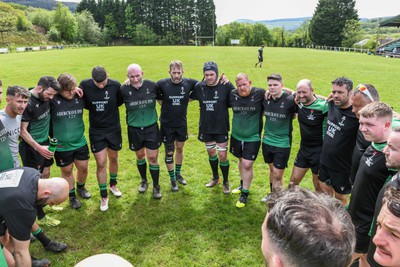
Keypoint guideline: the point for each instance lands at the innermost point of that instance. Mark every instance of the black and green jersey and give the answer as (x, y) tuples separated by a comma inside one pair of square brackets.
[(312, 121), (37, 114), (102, 105), (6, 158), (67, 122), (140, 104), (247, 115), (213, 102), (175, 100), (370, 178), (340, 138), (392, 182), (279, 114)]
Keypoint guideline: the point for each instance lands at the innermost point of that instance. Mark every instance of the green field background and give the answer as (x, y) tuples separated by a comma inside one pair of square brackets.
[(196, 226)]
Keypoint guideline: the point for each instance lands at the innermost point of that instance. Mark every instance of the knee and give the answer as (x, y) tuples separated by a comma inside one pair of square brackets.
[(169, 153), (113, 159)]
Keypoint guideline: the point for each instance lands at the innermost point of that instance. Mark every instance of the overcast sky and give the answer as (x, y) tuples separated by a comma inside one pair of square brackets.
[(230, 10)]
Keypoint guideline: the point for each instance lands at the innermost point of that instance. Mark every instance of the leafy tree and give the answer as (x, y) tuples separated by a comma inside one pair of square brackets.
[(144, 35), (205, 18), (42, 18), (261, 35), (88, 30), (65, 23), (7, 21), (222, 36), (130, 21), (111, 25), (329, 20), (53, 34), (351, 33), (23, 24)]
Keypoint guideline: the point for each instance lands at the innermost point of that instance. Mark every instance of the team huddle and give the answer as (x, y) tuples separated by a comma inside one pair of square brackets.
[(343, 140)]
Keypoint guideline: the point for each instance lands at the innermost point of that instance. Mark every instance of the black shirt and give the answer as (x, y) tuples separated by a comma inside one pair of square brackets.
[(312, 122), (340, 138), (359, 149), (371, 176), (102, 105), (18, 193), (213, 102), (175, 100)]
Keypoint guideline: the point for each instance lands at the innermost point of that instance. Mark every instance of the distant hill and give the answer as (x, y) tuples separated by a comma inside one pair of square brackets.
[(45, 4), (290, 24)]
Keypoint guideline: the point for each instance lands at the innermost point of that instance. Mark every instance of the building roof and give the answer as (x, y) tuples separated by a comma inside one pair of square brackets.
[(392, 22)]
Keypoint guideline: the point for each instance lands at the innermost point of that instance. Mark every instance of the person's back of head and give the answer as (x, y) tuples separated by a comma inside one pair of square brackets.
[(303, 228)]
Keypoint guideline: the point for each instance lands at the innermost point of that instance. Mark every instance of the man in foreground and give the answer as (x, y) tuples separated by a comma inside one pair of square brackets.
[(392, 153), (10, 116), (173, 94), (339, 140), (246, 103), (279, 111), (303, 228), (102, 99), (23, 190), (143, 132), (312, 113), (213, 100), (66, 111), (375, 124), (387, 239)]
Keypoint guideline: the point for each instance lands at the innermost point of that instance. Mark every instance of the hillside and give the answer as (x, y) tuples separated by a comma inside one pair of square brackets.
[(45, 4)]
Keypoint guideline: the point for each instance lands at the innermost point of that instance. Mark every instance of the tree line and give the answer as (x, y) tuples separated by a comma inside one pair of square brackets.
[(179, 22)]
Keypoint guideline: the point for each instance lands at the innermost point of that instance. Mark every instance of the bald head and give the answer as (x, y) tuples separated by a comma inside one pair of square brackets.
[(53, 191), (135, 75), (305, 92)]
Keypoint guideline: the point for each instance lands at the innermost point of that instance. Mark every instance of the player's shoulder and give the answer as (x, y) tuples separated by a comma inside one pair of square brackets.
[(163, 81), (113, 82), (258, 90), (85, 82), (149, 83)]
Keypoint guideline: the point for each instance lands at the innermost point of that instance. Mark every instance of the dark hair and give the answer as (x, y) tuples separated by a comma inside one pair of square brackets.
[(17, 90), (49, 82), (310, 229), (1, 83), (67, 82), (276, 77), (99, 74), (391, 199), (344, 81)]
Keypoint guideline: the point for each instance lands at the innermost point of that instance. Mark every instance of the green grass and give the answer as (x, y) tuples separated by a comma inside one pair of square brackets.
[(196, 226)]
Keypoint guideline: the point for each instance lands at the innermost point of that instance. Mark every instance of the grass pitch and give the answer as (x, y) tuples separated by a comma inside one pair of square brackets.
[(196, 226)]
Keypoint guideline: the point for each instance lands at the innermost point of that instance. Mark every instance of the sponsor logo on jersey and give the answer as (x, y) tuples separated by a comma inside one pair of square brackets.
[(216, 95), (369, 161), (341, 123), (311, 116)]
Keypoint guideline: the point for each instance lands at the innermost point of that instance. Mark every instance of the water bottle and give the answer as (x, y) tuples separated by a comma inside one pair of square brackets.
[(53, 144)]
